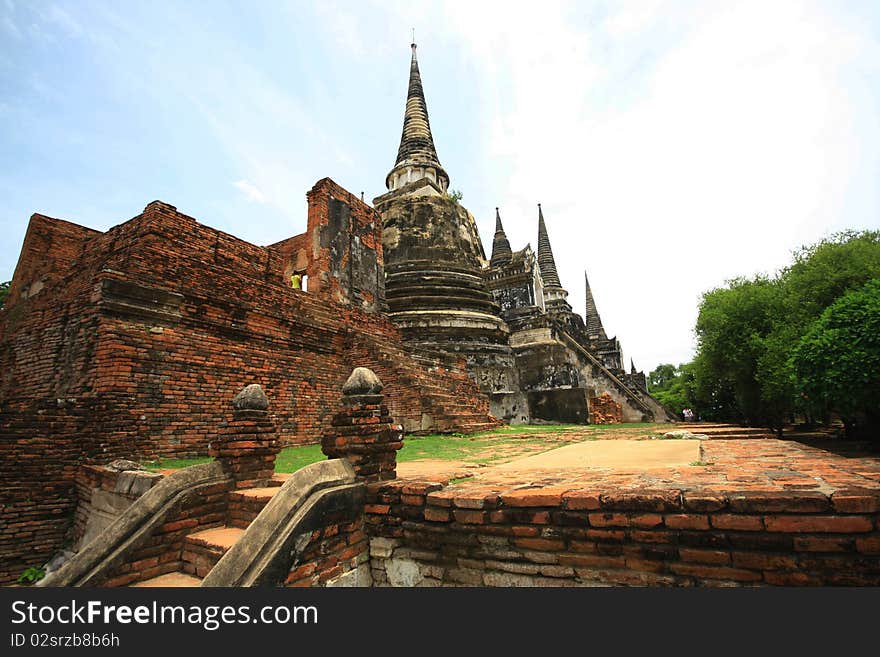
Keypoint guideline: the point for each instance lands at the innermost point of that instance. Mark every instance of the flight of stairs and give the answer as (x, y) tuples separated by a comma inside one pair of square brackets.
[(720, 431), (449, 397), (204, 548)]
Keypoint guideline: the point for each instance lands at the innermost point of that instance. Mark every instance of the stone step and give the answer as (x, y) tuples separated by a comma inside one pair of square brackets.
[(202, 550), (169, 580), (246, 504), (446, 403)]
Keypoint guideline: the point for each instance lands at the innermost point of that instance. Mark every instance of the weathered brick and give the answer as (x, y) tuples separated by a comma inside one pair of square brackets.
[(435, 514), (686, 521), (470, 517), (715, 572), (703, 502), (764, 561), (532, 497), (868, 545), (704, 556), (737, 522), (852, 502), (779, 502), (819, 524), (541, 544), (823, 544), (591, 561), (581, 500), (643, 501)]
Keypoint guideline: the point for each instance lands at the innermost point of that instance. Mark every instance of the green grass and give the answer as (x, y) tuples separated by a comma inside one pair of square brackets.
[(486, 447), (291, 459)]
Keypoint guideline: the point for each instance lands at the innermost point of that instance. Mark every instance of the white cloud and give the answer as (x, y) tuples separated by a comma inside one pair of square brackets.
[(667, 162), (251, 191), (58, 16)]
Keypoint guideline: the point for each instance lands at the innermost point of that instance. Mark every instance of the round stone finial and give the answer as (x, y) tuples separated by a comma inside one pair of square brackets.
[(251, 398), (363, 381)]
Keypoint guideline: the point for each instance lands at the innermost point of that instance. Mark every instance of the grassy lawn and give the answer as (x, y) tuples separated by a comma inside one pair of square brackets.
[(496, 446)]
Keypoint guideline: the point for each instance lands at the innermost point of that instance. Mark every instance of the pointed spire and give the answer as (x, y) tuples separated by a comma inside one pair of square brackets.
[(416, 142), (501, 252), (545, 254), (416, 156), (632, 367), (591, 315)]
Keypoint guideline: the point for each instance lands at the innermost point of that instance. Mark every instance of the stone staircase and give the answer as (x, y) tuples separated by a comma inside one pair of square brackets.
[(718, 431), (427, 397), (203, 549)]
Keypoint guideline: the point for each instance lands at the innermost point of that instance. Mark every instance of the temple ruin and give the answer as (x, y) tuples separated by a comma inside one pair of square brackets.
[(128, 343), (507, 316)]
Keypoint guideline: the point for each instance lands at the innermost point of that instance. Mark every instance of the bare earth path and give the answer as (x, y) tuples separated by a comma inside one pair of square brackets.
[(732, 459)]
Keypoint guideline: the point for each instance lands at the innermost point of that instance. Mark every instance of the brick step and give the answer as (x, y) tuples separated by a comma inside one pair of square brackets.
[(169, 580), (443, 402), (246, 504), (202, 550)]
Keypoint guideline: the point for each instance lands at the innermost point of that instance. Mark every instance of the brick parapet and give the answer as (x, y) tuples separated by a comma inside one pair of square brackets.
[(364, 433), (247, 448), (563, 537), (337, 549)]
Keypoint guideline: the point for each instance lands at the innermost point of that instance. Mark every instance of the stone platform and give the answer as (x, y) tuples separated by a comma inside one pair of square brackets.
[(737, 465), (750, 511)]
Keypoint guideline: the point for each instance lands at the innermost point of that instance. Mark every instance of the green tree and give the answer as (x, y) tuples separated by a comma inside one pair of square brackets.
[(673, 387), (732, 329), (455, 195), (824, 272), (748, 330), (4, 292), (837, 362), (661, 377)]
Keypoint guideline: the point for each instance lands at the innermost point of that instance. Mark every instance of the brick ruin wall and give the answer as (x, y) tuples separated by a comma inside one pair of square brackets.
[(163, 551), (604, 410), (129, 344), (426, 536)]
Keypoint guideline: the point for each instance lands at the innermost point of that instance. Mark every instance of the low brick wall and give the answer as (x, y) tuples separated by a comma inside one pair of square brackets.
[(424, 535), (102, 494), (162, 553), (336, 555)]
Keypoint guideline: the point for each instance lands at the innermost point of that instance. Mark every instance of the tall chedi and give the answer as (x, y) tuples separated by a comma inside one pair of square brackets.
[(554, 293), (434, 287)]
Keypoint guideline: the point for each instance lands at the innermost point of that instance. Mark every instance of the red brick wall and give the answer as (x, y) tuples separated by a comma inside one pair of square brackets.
[(163, 551), (140, 337), (52, 249), (604, 410), (548, 537), (333, 550), (343, 259)]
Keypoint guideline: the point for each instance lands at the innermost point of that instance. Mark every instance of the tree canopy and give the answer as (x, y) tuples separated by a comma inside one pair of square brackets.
[(837, 362), (757, 356), (673, 386)]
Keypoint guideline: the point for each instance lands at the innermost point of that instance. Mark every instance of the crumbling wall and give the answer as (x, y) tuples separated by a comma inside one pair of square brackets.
[(138, 336), (604, 410), (341, 252), (422, 535)]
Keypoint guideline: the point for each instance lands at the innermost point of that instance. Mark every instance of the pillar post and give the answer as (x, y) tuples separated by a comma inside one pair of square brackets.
[(363, 432), (248, 445)]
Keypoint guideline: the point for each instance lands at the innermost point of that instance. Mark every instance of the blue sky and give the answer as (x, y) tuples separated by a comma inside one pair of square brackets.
[(673, 145)]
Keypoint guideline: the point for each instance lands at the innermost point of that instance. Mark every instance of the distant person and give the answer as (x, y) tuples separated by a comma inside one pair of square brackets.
[(296, 281)]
